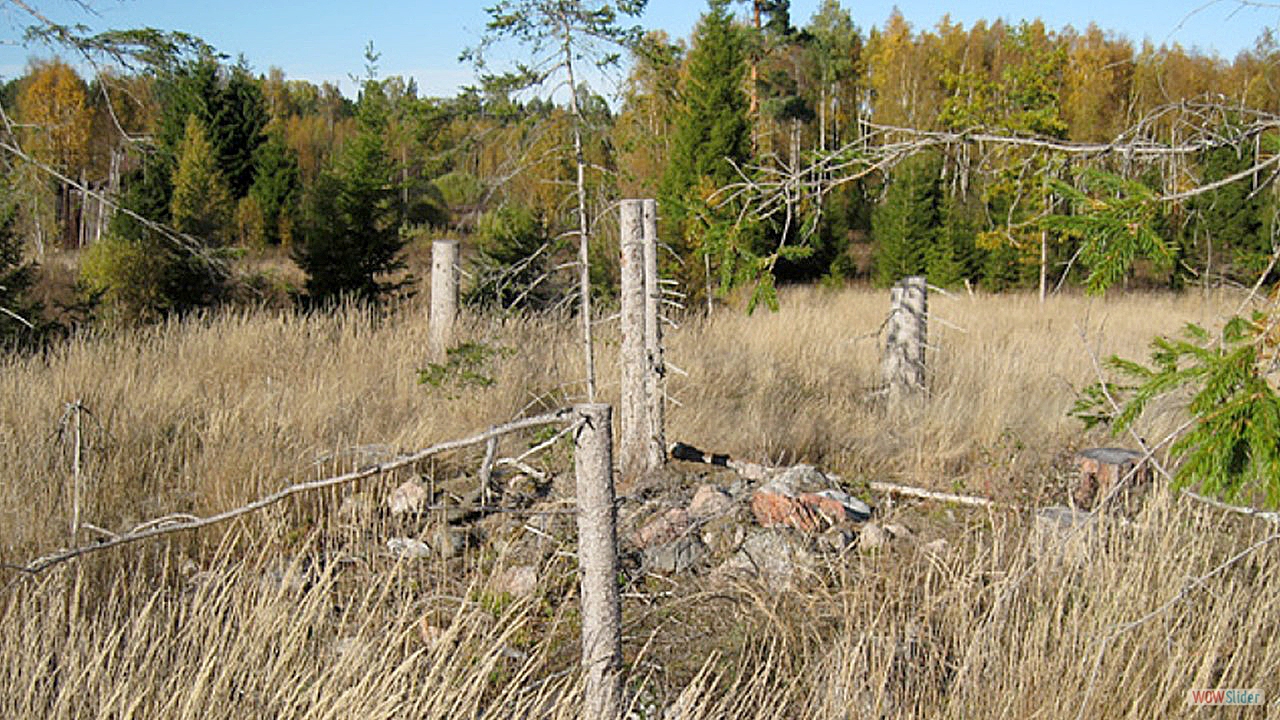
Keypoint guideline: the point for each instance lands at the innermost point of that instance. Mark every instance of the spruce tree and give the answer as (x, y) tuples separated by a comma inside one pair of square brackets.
[(513, 262), (712, 132), (351, 237), (1231, 215), (952, 257), (905, 224), (228, 104), (238, 128), (276, 185)]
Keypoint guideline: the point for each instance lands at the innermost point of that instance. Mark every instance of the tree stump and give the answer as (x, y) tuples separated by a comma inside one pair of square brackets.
[(444, 296), (906, 337), (1103, 470), (656, 369), (642, 447), (598, 564), (634, 408)]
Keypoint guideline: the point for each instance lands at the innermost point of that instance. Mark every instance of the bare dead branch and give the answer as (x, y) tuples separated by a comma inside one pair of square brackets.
[(180, 523), (909, 491)]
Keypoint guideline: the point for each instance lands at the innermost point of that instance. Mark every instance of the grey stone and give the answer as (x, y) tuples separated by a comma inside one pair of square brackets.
[(408, 547), (661, 529), (773, 556), (1062, 518), (799, 479), (679, 555), (1063, 534), (1112, 455), (872, 537), (858, 509), (836, 540), (723, 534), (519, 580), (287, 576), (409, 497), (938, 547), (898, 531), (449, 541)]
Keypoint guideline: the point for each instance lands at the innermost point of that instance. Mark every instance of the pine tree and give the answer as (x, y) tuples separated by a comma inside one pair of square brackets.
[(201, 204)]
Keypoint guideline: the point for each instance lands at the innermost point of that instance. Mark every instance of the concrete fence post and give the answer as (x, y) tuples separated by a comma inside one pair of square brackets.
[(598, 564)]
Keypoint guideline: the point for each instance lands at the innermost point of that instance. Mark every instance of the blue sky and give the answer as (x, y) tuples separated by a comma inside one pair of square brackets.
[(322, 40)]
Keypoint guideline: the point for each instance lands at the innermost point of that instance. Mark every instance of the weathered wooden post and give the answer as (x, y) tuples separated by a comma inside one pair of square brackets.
[(656, 368), (905, 340), (598, 564), (634, 406), (444, 295)]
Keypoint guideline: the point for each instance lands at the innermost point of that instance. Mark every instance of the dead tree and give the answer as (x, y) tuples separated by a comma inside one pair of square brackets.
[(642, 446), (444, 295), (598, 564), (906, 335)]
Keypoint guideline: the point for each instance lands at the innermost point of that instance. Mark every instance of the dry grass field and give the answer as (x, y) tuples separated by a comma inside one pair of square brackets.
[(286, 613)]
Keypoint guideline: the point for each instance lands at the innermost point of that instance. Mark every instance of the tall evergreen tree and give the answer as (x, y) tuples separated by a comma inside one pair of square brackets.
[(905, 224), (1230, 217), (238, 128), (276, 186), (201, 204), (953, 256), (351, 235), (712, 133)]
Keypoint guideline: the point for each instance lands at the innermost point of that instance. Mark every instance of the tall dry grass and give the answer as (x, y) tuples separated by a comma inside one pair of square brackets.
[(1004, 372), (202, 414)]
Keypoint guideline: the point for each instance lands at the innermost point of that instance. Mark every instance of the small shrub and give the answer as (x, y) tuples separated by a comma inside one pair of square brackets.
[(465, 366)]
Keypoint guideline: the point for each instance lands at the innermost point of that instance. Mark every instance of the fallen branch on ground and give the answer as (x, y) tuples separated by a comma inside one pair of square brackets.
[(971, 500), (752, 471), (173, 524)]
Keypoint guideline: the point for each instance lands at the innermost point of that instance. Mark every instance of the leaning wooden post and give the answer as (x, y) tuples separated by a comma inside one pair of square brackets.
[(598, 564), (634, 408), (444, 295), (906, 337), (656, 368)]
